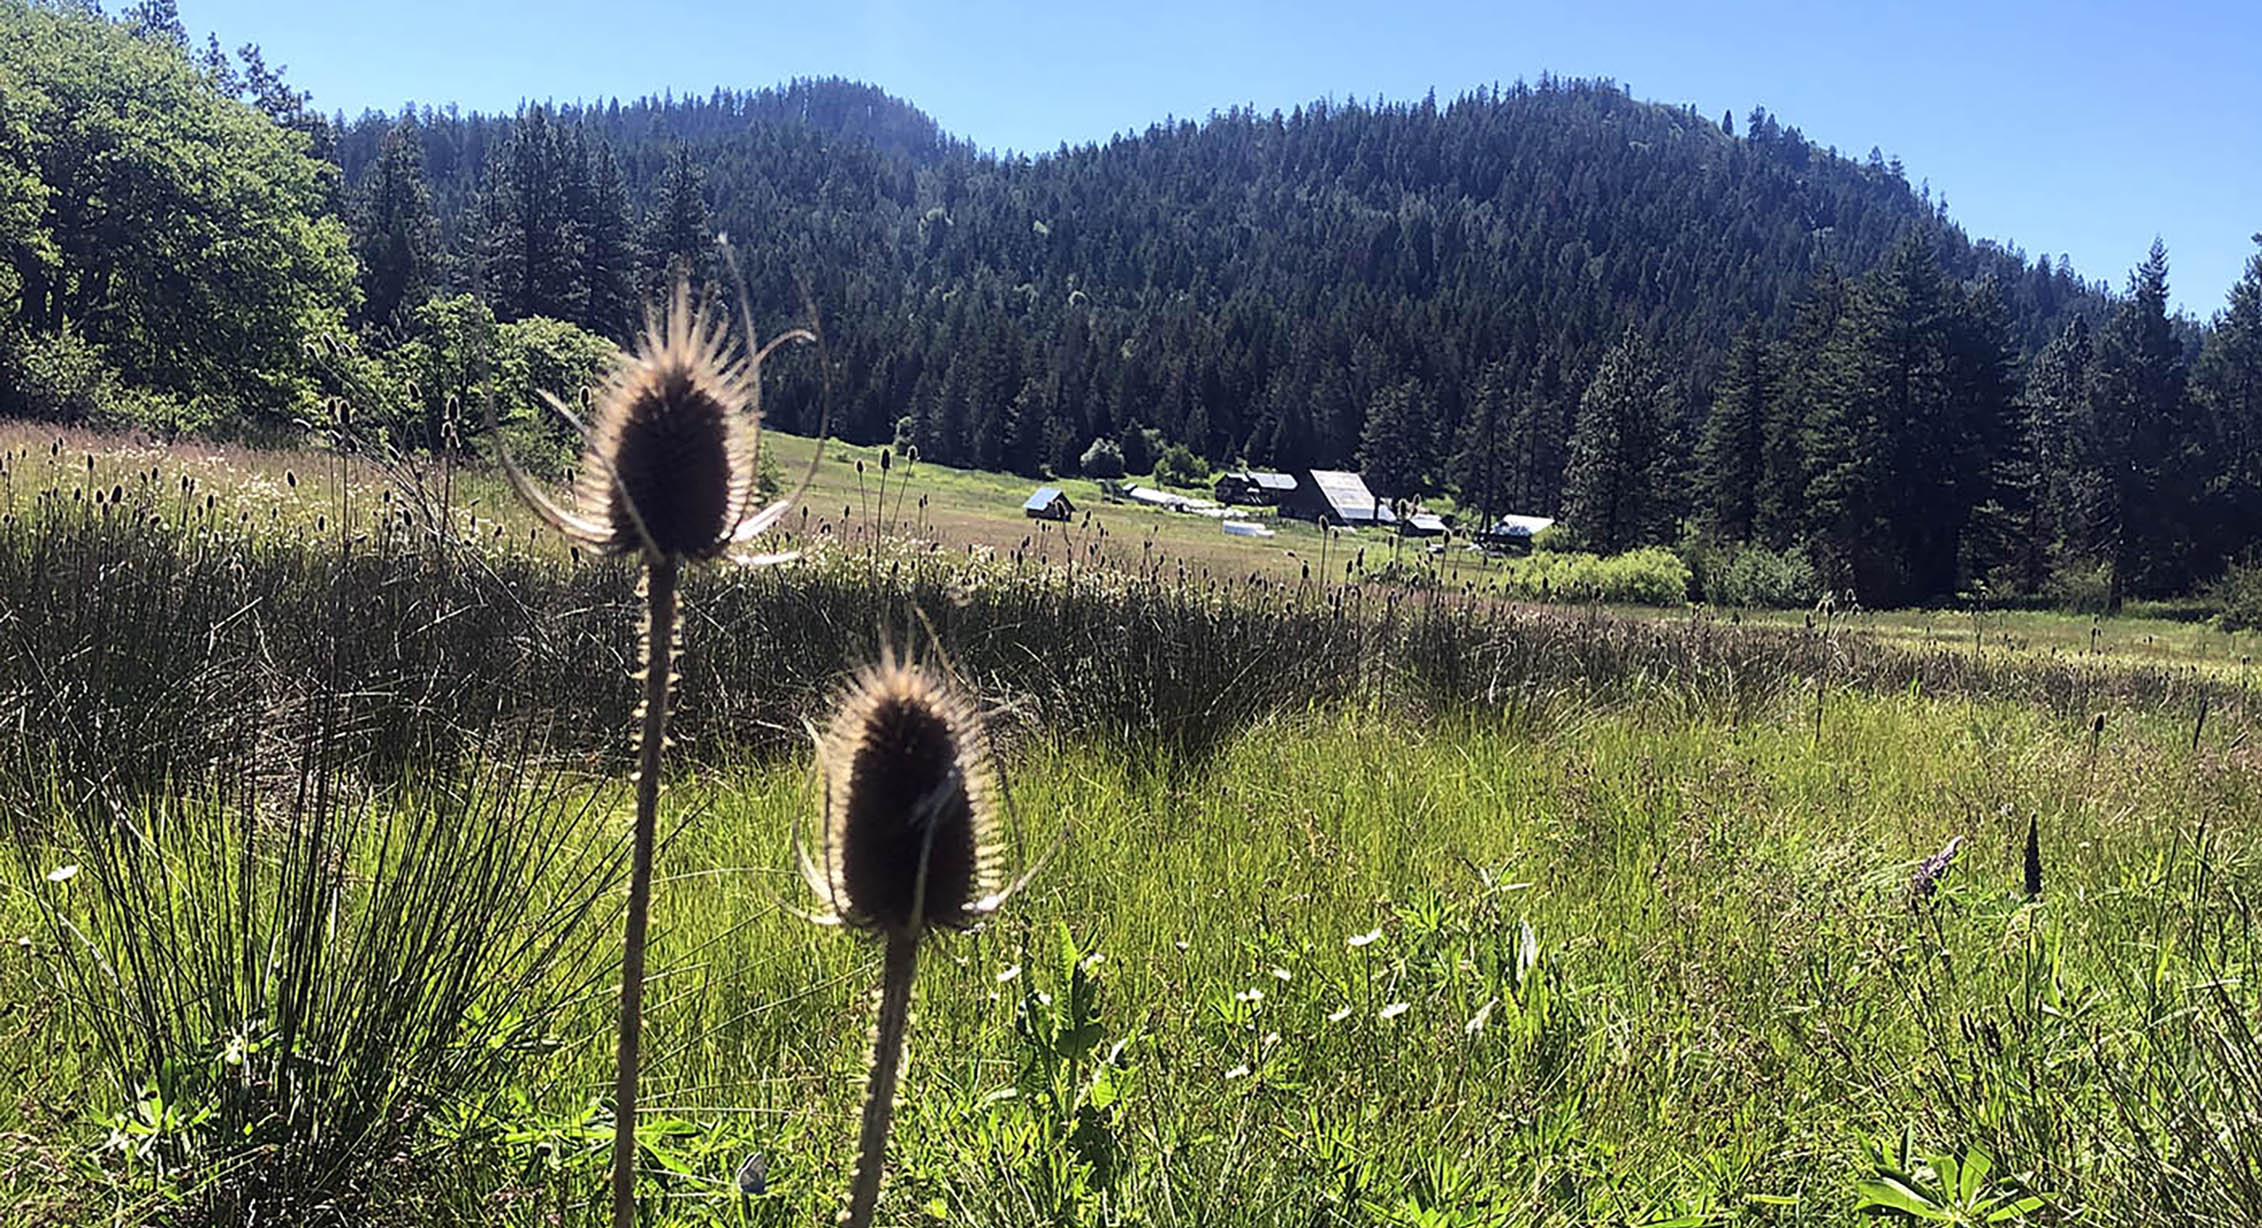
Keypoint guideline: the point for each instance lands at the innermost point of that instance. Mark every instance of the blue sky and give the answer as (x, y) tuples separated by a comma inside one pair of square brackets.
[(2075, 126)]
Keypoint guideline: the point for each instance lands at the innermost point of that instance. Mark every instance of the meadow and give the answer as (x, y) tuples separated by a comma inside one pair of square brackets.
[(1362, 903)]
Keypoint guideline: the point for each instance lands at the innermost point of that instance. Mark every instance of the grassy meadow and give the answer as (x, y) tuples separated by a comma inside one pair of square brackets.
[(1352, 904)]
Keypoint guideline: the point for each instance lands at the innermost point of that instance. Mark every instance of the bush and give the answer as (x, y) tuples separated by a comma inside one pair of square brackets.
[(57, 377), (1755, 577), (1180, 467), (2239, 593), (1651, 575), (2080, 587), (1104, 459)]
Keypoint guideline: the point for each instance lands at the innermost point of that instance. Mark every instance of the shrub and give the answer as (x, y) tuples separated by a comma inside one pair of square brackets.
[(57, 377), (1180, 467), (1104, 459), (1651, 575), (2239, 593), (1758, 578), (2080, 587)]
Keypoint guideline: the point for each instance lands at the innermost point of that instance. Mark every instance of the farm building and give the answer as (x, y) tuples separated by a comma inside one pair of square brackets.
[(1515, 532), (1250, 488), (1339, 496), (1422, 524), (1049, 503)]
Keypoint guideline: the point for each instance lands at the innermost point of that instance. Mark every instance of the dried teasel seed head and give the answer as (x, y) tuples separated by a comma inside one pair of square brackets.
[(671, 447), (909, 839)]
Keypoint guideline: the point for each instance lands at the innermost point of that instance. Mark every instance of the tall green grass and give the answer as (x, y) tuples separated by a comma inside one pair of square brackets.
[(1371, 905)]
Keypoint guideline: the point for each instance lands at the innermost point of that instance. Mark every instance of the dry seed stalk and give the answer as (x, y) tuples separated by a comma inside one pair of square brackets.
[(668, 473), (909, 847)]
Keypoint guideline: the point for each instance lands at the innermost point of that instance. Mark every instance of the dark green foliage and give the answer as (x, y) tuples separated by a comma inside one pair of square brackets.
[(394, 233), (2140, 439), (1613, 488), (1398, 449), (1731, 456), (1248, 286)]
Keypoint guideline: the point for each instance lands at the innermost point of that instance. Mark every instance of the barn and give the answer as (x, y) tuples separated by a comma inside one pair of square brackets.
[(1250, 488), (1338, 496), (1049, 503)]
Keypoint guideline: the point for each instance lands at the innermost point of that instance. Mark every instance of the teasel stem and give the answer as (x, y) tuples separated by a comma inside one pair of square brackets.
[(659, 669), (902, 959)]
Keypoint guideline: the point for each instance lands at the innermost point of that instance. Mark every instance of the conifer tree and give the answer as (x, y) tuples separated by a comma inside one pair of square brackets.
[(1731, 452), (2138, 434), (679, 240), (1395, 452), (608, 248), (1610, 486), (1480, 469), (393, 231)]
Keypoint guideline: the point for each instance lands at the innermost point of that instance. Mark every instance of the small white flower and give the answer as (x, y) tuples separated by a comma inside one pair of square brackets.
[(1359, 940), (1340, 1016), (1282, 975), (1238, 1072), (1250, 995), (1009, 974), (1392, 1011), (1484, 1015)]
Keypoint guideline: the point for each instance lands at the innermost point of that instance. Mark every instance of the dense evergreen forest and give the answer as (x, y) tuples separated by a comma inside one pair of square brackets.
[(1546, 297)]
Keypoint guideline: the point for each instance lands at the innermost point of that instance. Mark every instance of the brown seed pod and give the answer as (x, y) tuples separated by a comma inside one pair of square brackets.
[(909, 838)]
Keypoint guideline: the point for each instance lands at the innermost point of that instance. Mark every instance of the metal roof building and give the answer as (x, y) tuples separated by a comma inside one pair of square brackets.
[(1341, 496)]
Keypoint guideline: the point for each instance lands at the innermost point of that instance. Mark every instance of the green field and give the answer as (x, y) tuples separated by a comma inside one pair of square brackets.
[(1415, 911)]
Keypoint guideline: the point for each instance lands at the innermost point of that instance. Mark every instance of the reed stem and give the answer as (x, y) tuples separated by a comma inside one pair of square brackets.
[(659, 670)]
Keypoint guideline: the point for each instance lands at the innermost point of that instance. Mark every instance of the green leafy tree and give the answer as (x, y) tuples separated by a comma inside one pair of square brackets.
[(179, 230)]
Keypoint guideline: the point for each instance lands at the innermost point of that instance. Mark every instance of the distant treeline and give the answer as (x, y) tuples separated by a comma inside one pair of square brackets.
[(1544, 298)]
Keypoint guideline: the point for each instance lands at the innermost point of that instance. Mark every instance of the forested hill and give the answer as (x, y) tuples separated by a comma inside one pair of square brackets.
[(1550, 298), (1247, 285)]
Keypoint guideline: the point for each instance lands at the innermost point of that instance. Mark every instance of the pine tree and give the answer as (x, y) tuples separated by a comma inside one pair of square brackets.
[(2138, 431), (2228, 382), (1610, 495), (1731, 453), (679, 240), (393, 232), (1479, 469), (2057, 491), (608, 249), (1395, 452)]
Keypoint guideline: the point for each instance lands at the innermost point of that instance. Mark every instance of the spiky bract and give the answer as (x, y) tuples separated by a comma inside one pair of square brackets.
[(909, 839), (671, 451)]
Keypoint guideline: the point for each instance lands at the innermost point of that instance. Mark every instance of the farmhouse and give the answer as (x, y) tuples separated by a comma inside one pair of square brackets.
[(1342, 498), (1049, 503), (1250, 488)]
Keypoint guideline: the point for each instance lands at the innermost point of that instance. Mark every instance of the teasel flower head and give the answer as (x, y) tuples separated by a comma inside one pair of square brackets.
[(670, 453), (909, 835)]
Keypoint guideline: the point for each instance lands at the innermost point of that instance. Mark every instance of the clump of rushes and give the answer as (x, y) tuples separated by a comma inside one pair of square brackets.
[(909, 846), (669, 474)]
